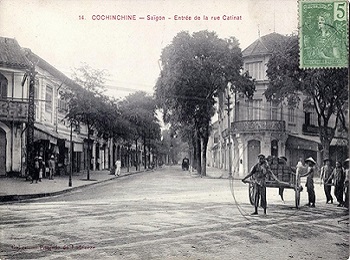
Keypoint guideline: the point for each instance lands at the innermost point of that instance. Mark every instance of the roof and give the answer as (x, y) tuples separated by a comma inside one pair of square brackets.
[(264, 45), (12, 55), (40, 62)]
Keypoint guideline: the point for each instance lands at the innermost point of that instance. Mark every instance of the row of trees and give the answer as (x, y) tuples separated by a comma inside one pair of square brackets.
[(130, 120), (197, 67)]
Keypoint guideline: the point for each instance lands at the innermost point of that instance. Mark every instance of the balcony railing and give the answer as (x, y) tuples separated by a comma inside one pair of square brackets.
[(11, 110), (257, 126)]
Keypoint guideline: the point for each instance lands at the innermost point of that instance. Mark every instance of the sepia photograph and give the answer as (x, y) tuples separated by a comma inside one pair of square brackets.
[(173, 129)]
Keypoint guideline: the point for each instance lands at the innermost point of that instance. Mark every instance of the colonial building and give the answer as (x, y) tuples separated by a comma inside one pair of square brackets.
[(260, 126), (52, 131), (13, 105)]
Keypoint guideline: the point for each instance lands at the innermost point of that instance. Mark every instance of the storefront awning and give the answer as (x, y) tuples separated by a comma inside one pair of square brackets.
[(78, 144), (311, 142), (42, 132), (303, 142)]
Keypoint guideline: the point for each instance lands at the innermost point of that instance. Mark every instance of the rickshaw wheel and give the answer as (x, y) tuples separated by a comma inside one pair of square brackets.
[(251, 193)]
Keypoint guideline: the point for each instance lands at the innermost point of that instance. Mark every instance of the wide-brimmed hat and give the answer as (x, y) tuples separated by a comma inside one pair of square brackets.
[(40, 158), (261, 156), (52, 157), (310, 159), (283, 158)]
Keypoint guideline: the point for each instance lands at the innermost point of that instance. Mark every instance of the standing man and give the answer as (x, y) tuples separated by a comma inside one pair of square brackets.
[(310, 181), (52, 166), (338, 175), (118, 164), (36, 170), (325, 177), (42, 168), (259, 173)]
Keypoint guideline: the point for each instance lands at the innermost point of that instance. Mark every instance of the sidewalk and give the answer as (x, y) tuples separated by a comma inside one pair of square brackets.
[(17, 189)]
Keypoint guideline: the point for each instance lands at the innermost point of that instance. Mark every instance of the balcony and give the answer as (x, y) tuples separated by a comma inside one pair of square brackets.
[(11, 110), (258, 126)]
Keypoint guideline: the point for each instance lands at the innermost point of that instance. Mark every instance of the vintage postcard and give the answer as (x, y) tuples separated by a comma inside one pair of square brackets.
[(174, 129)]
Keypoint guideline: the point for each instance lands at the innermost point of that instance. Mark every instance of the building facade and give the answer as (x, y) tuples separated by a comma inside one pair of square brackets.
[(13, 104), (260, 126), (53, 134)]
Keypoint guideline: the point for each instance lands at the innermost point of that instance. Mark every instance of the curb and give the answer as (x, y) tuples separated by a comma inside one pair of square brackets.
[(18, 198)]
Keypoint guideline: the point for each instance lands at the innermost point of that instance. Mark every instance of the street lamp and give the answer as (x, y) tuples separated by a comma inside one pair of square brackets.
[(228, 104)]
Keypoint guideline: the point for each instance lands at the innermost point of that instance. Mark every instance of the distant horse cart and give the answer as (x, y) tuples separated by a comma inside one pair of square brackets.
[(185, 164)]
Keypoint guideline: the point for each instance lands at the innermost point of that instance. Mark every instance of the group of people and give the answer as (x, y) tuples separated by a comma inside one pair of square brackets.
[(40, 168), (339, 177)]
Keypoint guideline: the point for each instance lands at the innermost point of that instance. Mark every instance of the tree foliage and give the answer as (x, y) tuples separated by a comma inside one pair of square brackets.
[(325, 90), (195, 68), (87, 104), (139, 109), (127, 120)]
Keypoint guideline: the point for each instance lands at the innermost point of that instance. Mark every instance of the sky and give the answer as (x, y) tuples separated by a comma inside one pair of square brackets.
[(66, 33)]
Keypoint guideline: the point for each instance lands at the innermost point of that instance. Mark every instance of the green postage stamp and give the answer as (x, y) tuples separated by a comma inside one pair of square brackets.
[(323, 33)]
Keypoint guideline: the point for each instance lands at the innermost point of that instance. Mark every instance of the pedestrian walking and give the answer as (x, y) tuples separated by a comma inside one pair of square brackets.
[(338, 176), (346, 183), (41, 168), (118, 164), (36, 170), (310, 181), (52, 167), (259, 173), (325, 178)]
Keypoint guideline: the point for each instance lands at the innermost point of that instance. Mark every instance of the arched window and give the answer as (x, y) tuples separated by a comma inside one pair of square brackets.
[(3, 87), (254, 149), (274, 148)]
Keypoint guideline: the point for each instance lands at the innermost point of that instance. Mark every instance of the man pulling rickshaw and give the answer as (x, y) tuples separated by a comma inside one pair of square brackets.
[(259, 173)]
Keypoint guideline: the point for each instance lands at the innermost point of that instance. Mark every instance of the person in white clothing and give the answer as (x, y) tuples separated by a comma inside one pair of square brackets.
[(117, 167)]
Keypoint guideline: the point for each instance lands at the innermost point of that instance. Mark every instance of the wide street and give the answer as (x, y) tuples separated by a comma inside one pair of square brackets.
[(171, 214)]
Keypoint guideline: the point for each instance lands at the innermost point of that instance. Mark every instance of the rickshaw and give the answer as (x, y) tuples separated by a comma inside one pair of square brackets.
[(185, 164), (289, 179)]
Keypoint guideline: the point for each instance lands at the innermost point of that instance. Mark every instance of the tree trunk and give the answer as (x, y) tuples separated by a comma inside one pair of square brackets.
[(144, 152), (198, 153), (326, 137), (204, 154), (137, 156), (128, 158), (88, 155), (194, 152), (326, 145)]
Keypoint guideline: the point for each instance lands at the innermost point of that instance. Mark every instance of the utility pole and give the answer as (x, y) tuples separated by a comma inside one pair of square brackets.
[(71, 155), (31, 119), (228, 104)]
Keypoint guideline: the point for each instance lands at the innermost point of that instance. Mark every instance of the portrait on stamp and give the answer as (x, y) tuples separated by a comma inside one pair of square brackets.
[(323, 34)]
